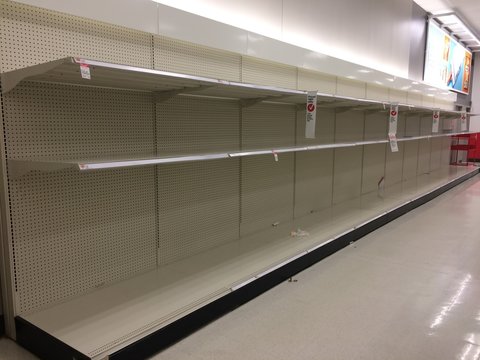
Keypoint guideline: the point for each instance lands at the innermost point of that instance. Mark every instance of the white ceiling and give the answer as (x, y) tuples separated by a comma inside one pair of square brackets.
[(468, 10)]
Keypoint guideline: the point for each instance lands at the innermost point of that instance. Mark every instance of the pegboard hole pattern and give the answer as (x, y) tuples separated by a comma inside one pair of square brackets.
[(324, 128), (188, 125), (349, 126), (262, 72), (188, 58), (65, 122), (267, 126), (198, 207), (74, 232), (31, 35), (313, 181), (267, 191)]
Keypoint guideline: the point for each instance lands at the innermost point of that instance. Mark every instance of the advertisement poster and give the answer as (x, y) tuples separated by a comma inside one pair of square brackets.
[(447, 62)]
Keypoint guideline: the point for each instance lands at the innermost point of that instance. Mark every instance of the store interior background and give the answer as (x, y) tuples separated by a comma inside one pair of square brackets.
[(377, 41)]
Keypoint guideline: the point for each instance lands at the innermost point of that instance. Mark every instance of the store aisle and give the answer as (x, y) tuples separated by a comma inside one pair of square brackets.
[(410, 290)]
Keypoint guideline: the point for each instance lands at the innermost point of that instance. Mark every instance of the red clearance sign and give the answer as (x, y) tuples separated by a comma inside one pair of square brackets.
[(311, 115), (392, 124)]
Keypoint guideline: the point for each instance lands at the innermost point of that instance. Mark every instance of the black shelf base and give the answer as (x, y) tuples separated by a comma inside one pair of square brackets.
[(2, 325)]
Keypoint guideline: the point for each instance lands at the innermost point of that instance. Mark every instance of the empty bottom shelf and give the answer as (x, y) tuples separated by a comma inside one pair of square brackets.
[(108, 319)]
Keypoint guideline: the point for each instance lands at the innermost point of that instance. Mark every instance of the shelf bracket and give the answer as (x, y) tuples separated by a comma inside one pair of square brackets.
[(370, 109), (414, 112), (299, 107), (11, 79), (374, 111), (338, 104), (344, 109), (18, 168), (161, 96), (449, 117), (430, 113), (255, 101)]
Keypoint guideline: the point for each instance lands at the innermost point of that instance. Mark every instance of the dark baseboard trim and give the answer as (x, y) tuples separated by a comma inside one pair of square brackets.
[(2, 325), (42, 344), (47, 347)]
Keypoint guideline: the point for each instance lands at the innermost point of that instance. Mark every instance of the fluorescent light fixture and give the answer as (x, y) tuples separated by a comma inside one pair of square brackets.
[(378, 82), (414, 83), (365, 71), (452, 23), (390, 79), (351, 77)]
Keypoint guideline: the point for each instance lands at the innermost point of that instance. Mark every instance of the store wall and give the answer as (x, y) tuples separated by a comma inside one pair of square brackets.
[(373, 33), (367, 32), (418, 41), (475, 121)]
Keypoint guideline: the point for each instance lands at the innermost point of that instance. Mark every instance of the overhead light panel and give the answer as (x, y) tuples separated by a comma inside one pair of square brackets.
[(456, 27)]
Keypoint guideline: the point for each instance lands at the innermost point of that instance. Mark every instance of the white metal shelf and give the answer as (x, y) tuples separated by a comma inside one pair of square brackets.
[(110, 318), (167, 84), (19, 167), (102, 74)]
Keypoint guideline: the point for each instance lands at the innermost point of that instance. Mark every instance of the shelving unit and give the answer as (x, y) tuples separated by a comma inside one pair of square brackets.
[(165, 85), (135, 308), (106, 321)]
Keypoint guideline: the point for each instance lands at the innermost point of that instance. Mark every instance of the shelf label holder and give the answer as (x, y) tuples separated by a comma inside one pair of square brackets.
[(393, 120), (275, 155), (435, 121), (463, 122), (393, 142), (392, 127), (85, 71), (311, 116)]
